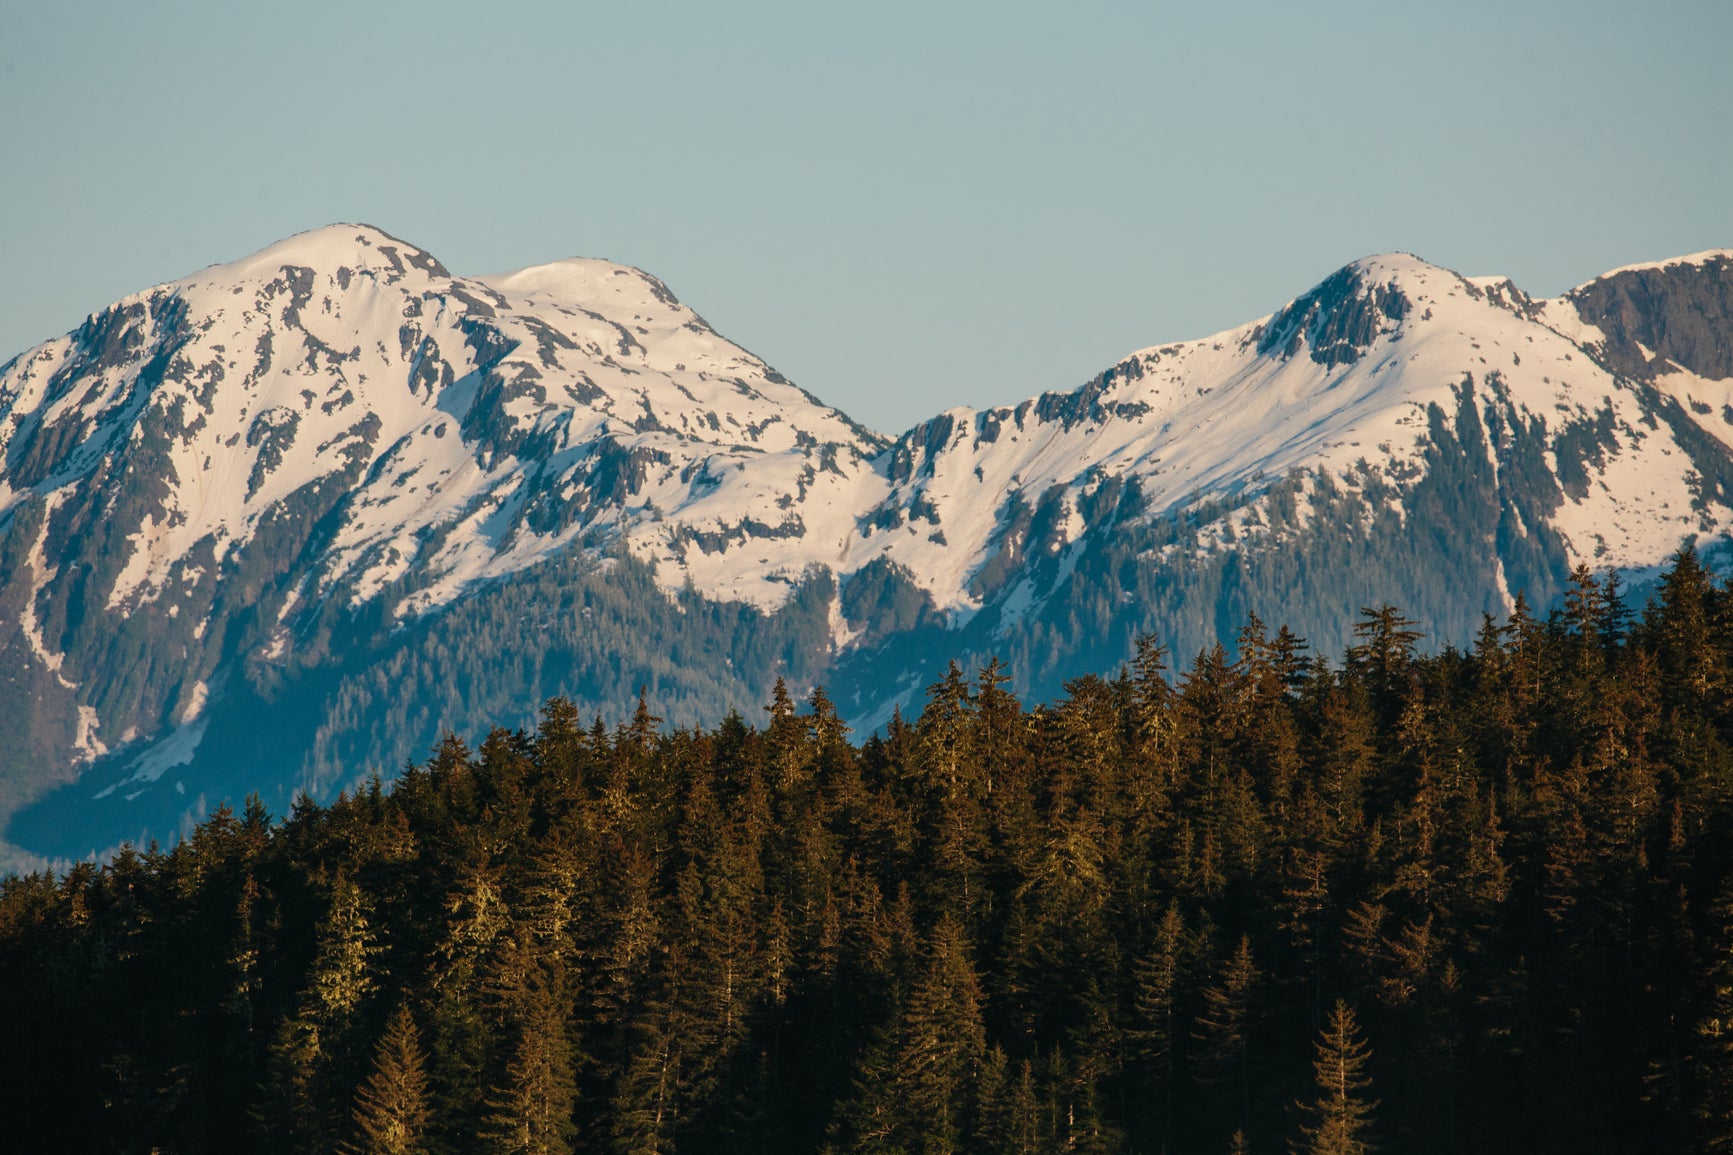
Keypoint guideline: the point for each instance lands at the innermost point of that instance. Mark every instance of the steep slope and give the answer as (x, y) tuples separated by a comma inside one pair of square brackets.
[(1344, 380), (470, 426), (215, 473), (277, 524), (1399, 432)]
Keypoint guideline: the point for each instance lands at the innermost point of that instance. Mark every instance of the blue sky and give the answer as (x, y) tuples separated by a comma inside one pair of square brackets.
[(901, 206)]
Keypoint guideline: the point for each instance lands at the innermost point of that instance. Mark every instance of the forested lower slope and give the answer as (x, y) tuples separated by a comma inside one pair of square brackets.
[(1471, 901)]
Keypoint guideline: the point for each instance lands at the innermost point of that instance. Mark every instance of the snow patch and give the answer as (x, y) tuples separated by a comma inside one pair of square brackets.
[(196, 700), (1016, 605), (41, 573), (842, 635), (177, 749), (87, 744)]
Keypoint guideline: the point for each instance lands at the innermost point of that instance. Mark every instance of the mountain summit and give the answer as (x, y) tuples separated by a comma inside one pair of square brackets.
[(278, 523), (441, 430)]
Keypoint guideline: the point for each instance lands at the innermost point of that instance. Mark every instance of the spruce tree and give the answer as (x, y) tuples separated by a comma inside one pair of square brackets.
[(1711, 1059), (391, 1105), (917, 1089), (314, 1052), (1341, 1115), (1155, 980), (1223, 1030), (530, 1107)]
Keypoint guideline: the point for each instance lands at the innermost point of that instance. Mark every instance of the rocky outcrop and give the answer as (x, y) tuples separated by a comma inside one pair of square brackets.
[(1679, 312)]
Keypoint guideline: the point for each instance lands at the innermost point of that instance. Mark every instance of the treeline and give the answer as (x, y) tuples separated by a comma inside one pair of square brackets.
[(1468, 901)]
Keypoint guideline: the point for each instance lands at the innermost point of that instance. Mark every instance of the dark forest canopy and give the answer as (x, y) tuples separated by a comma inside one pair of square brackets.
[(1471, 901)]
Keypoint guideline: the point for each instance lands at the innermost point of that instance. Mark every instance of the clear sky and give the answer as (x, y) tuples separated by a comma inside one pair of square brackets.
[(901, 206)]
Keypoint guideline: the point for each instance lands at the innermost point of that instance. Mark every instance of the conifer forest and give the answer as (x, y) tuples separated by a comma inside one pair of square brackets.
[(1398, 899)]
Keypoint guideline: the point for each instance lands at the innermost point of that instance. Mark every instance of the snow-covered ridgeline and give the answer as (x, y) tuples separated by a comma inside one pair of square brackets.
[(1232, 413), (479, 425), (194, 475)]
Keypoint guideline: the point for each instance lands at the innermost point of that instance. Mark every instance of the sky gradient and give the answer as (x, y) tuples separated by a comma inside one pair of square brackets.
[(901, 206)]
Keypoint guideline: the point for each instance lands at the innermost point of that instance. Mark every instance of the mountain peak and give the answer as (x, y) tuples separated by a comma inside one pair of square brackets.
[(329, 248), (242, 481), (1394, 266), (584, 281), (1338, 319)]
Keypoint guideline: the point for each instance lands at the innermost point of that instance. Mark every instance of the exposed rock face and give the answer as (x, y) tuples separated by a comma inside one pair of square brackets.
[(1337, 321), (1679, 312)]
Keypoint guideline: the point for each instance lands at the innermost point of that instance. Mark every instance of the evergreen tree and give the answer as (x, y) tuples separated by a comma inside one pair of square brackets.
[(1223, 1033), (917, 1089), (315, 1051), (1340, 1115), (1384, 655), (1711, 1058), (391, 1105), (645, 1107), (1155, 986), (529, 1109)]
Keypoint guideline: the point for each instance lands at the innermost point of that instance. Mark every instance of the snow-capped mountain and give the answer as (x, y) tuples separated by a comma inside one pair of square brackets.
[(466, 427), (274, 525), (1345, 380), (338, 419)]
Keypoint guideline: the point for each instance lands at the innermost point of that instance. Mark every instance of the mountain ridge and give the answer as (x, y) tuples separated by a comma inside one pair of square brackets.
[(226, 484)]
